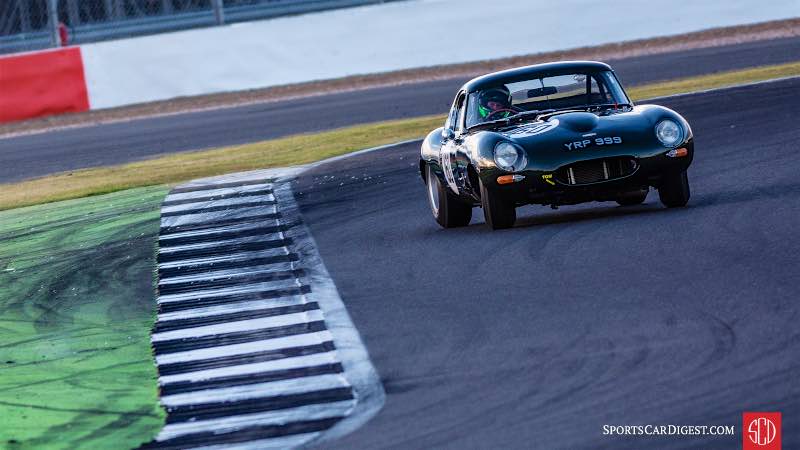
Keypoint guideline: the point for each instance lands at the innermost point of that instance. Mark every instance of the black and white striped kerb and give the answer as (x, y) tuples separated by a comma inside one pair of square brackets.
[(253, 346)]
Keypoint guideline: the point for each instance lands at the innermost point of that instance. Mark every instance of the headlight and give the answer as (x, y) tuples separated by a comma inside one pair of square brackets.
[(669, 133), (509, 157)]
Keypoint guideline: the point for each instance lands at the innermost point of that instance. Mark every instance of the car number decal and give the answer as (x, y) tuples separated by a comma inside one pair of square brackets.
[(534, 128)]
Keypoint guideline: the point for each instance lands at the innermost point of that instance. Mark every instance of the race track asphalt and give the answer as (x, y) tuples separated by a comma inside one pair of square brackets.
[(537, 336), (70, 149)]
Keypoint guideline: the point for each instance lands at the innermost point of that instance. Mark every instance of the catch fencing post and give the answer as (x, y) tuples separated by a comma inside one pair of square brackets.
[(219, 11), (52, 19)]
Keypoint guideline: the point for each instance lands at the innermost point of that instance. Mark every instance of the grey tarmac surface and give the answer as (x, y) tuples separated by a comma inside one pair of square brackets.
[(70, 149), (537, 336)]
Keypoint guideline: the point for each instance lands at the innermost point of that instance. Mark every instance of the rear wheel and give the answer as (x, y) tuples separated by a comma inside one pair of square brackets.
[(448, 211), (674, 190), (633, 197), (499, 212)]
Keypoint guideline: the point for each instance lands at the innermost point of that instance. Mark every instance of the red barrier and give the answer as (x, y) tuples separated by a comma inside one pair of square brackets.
[(42, 83)]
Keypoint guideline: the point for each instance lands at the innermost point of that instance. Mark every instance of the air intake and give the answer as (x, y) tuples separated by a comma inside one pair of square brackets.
[(596, 170)]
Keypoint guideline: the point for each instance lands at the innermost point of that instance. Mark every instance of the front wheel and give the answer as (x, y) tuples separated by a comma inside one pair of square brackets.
[(448, 211), (674, 190), (499, 212)]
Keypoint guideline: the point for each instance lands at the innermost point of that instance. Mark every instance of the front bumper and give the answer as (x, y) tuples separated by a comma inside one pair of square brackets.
[(555, 184)]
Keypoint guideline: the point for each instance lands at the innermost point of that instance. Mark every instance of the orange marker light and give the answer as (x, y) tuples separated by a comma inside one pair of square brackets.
[(678, 153), (505, 179), (508, 179)]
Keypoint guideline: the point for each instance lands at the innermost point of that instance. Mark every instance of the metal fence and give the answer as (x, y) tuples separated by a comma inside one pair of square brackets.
[(37, 24)]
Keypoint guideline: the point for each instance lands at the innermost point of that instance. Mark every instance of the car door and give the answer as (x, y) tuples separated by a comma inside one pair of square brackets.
[(459, 158), (452, 140)]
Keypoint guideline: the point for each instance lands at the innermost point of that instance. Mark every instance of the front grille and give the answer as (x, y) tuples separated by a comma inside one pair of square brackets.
[(596, 170)]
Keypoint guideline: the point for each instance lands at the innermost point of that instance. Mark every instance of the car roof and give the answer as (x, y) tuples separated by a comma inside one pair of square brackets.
[(527, 72)]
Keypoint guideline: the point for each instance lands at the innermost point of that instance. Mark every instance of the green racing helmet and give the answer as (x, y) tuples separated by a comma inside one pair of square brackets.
[(494, 99)]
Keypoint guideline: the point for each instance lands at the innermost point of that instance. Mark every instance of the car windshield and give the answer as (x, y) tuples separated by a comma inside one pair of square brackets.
[(568, 91)]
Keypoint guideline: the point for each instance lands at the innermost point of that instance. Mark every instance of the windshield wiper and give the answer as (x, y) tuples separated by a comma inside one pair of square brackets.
[(581, 108), (605, 105), (535, 113), (489, 124), (561, 111), (511, 119)]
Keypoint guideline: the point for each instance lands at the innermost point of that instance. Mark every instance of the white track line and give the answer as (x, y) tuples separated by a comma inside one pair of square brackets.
[(260, 390), (164, 250), (233, 201), (214, 216), (278, 443), (281, 343), (277, 417), (229, 274), (244, 289), (218, 191), (165, 238), (297, 362), (240, 256), (210, 311), (241, 325)]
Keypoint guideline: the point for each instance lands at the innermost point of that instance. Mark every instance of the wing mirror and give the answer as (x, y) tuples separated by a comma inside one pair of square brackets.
[(448, 133)]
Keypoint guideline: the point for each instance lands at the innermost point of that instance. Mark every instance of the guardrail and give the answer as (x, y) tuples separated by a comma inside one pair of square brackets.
[(26, 25)]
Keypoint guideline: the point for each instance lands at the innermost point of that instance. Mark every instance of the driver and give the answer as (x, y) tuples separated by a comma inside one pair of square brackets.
[(495, 103)]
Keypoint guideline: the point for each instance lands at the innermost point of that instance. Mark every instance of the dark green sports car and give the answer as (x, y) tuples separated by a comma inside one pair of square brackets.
[(552, 134)]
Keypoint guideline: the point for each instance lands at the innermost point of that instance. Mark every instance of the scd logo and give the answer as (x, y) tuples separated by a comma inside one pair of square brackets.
[(761, 431)]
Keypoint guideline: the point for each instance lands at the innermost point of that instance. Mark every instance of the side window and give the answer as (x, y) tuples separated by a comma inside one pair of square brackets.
[(459, 113), (448, 124), (452, 117)]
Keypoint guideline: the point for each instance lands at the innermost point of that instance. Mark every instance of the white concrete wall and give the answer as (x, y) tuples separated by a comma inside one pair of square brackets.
[(387, 37)]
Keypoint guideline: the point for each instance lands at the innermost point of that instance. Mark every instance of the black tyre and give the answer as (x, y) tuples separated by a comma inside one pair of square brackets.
[(633, 198), (674, 190), (499, 212), (448, 211)]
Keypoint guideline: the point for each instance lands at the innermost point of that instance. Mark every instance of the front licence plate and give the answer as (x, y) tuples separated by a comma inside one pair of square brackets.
[(598, 141)]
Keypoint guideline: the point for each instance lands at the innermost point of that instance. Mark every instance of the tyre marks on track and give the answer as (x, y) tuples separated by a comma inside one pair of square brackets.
[(253, 345)]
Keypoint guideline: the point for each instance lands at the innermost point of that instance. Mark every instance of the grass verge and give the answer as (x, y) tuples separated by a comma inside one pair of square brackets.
[(716, 80), (76, 309), (298, 149)]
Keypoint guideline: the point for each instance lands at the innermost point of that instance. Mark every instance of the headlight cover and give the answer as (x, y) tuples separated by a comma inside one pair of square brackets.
[(509, 157), (669, 132)]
